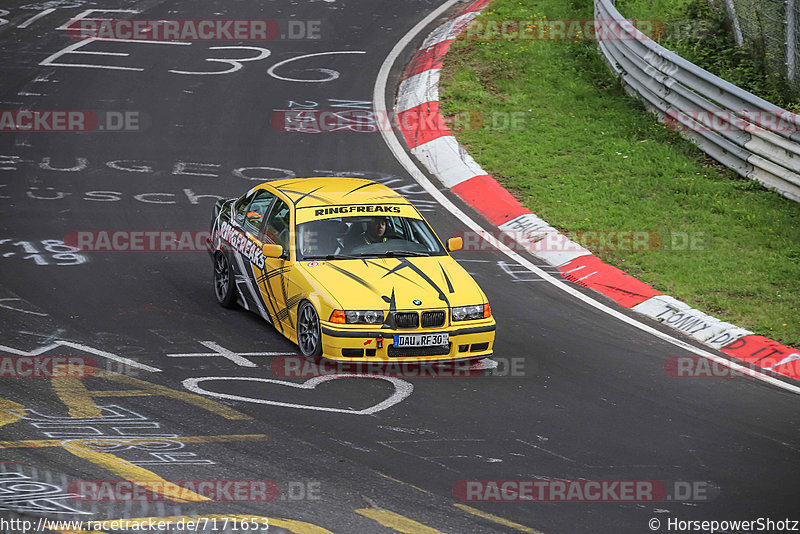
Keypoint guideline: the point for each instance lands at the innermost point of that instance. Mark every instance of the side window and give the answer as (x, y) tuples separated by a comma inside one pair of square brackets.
[(241, 209), (395, 227), (253, 216), (277, 229)]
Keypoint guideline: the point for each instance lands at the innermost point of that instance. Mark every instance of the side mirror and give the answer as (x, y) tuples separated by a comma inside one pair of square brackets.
[(272, 251), (455, 243)]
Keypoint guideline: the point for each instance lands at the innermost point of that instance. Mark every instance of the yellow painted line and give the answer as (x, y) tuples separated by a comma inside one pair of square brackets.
[(127, 470), (404, 483), (30, 444), (39, 443), (296, 527), (497, 519), (75, 397), (397, 522), (79, 400), (138, 475), (6, 417)]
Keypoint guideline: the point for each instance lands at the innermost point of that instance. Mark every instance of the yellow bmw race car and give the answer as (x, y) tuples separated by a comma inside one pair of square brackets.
[(350, 271)]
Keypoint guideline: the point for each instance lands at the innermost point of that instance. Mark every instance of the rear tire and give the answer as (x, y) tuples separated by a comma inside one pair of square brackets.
[(309, 337), (224, 283)]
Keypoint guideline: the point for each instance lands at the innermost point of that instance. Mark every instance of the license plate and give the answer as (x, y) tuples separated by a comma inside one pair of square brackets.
[(420, 340)]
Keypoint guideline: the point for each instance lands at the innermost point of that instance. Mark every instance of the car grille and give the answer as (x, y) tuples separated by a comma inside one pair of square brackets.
[(406, 319), (415, 352), (431, 319)]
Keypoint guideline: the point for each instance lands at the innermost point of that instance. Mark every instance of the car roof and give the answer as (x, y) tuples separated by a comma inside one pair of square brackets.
[(324, 191)]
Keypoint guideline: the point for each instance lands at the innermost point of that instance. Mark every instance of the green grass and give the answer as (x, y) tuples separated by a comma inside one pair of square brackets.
[(590, 158)]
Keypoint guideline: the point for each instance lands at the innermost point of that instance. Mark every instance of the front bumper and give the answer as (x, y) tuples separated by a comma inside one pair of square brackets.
[(474, 340)]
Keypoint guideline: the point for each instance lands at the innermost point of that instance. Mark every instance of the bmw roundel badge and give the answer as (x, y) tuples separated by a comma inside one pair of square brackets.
[(418, 302)]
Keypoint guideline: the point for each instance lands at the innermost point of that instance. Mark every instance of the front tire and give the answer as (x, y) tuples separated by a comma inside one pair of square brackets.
[(309, 338), (224, 283)]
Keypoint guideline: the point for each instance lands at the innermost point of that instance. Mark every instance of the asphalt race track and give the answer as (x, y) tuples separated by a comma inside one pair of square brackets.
[(576, 395)]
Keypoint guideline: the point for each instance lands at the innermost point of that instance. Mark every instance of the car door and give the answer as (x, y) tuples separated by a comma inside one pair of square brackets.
[(275, 282), (250, 214)]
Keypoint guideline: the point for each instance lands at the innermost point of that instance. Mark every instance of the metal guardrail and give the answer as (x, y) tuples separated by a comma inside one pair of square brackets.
[(755, 138)]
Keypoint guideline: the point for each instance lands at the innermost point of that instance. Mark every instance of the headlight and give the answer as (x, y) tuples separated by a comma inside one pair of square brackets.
[(364, 316), (466, 313)]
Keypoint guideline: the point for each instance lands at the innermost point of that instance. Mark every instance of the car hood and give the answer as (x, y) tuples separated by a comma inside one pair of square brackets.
[(395, 283)]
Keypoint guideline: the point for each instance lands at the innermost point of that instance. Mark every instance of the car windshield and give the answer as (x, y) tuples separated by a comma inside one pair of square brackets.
[(357, 237)]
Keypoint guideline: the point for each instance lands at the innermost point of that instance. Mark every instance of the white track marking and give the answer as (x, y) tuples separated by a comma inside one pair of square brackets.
[(379, 103), (402, 389), (236, 357), (83, 15), (7, 307), (36, 17), (85, 348)]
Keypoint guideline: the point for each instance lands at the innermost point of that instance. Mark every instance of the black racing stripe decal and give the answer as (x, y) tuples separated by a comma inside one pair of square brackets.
[(447, 279), (394, 272), (281, 188), (283, 291), (392, 309), (361, 187), (291, 303), (353, 276), (405, 263), (251, 274), (304, 195), (269, 274), (272, 300)]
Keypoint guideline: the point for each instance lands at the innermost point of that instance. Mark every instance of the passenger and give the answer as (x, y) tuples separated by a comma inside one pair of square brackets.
[(318, 238), (310, 239)]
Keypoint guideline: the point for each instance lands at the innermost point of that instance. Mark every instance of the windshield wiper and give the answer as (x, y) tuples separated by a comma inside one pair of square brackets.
[(330, 257), (406, 253), (391, 254)]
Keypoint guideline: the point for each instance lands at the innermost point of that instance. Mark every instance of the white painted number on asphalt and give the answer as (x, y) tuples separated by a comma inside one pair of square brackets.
[(76, 49), (236, 64)]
